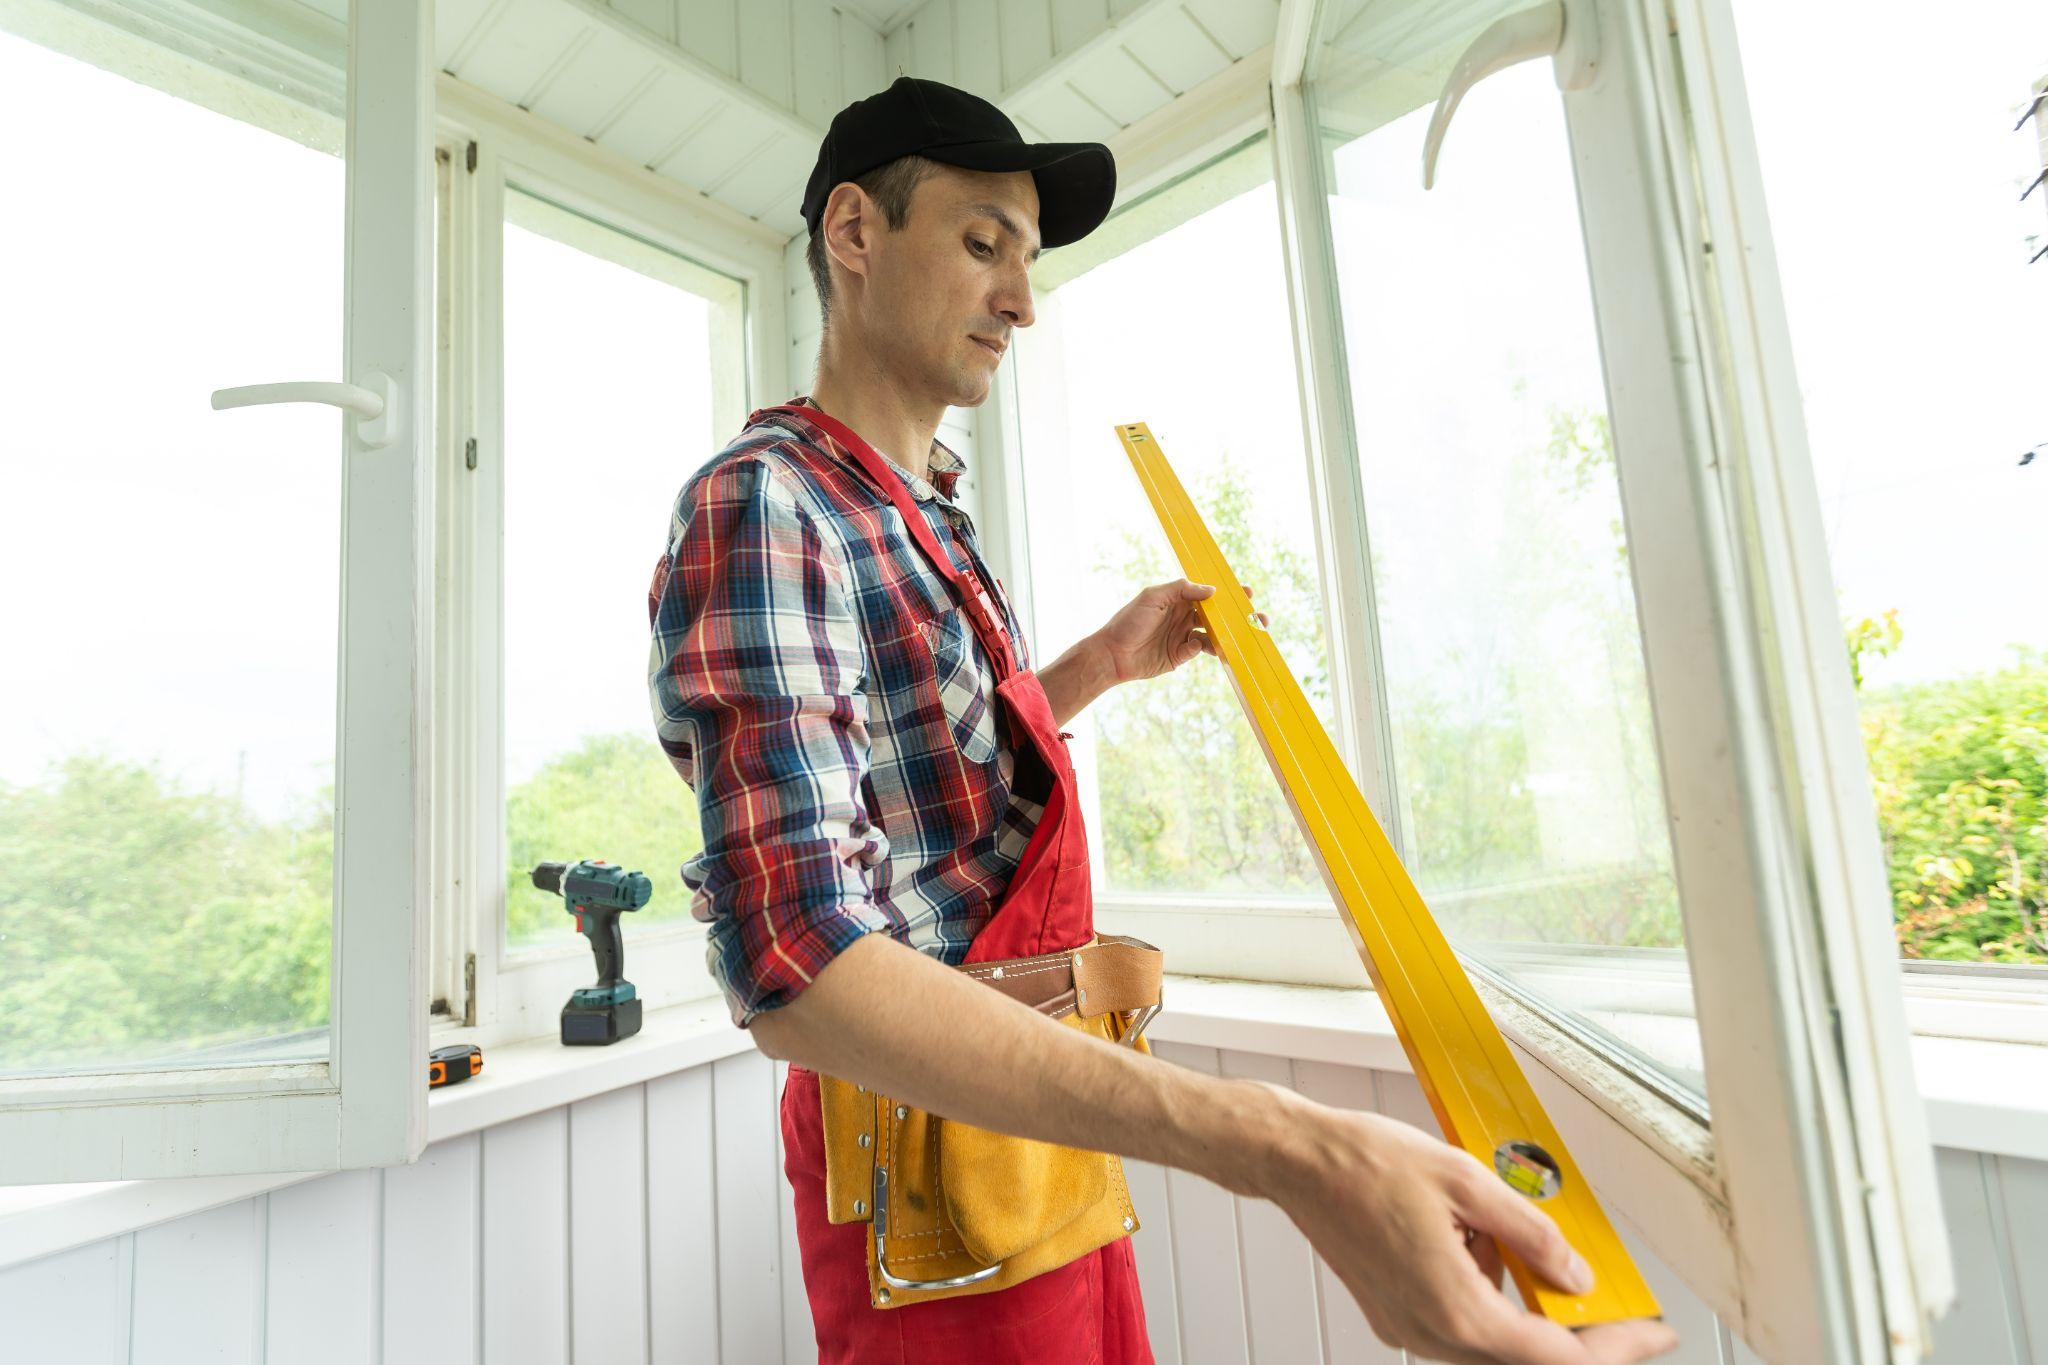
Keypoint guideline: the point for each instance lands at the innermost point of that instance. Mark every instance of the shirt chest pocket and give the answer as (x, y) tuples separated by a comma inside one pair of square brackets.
[(966, 688)]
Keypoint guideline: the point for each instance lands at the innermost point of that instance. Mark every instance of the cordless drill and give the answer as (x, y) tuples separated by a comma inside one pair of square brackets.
[(597, 894)]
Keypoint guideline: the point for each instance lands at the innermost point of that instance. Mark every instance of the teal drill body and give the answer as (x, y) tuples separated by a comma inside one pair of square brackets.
[(597, 893)]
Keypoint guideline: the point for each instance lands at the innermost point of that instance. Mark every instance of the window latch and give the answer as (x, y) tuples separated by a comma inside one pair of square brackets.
[(1563, 30)]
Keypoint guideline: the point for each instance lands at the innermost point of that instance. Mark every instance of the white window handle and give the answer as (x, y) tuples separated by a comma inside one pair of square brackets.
[(1562, 29), (375, 402)]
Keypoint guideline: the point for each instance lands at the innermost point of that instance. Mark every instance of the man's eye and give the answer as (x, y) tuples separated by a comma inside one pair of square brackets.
[(981, 248)]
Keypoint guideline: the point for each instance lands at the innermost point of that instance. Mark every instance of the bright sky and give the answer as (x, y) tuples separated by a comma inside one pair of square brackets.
[(1893, 175), (173, 570)]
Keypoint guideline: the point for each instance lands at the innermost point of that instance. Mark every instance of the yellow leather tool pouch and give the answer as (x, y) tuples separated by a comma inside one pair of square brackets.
[(956, 1209)]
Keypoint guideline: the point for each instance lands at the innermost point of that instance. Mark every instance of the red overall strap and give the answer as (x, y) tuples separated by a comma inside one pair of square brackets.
[(980, 608)]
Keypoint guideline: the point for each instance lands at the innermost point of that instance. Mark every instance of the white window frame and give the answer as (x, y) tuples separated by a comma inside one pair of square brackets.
[(1816, 1240), (365, 1104), (484, 991)]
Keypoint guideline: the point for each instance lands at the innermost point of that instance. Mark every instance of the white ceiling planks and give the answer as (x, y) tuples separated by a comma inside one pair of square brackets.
[(731, 97), (1079, 70)]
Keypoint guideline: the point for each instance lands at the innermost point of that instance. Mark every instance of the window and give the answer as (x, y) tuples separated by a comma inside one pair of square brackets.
[(167, 748), (599, 350), (1187, 329), (1920, 348), (619, 381), (208, 929), (1524, 755)]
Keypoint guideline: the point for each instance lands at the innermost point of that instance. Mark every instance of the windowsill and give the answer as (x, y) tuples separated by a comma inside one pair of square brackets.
[(1981, 1096)]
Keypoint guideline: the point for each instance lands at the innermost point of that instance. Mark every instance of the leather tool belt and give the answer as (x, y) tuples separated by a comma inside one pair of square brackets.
[(957, 1209)]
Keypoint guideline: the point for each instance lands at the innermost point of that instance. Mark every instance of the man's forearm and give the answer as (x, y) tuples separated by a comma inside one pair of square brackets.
[(1076, 678), (906, 1025)]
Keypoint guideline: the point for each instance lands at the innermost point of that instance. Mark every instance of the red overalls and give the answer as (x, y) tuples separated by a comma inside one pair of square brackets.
[(1088, 1310)]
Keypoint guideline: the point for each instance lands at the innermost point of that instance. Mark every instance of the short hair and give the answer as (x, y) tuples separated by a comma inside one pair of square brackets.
[(890, 186)]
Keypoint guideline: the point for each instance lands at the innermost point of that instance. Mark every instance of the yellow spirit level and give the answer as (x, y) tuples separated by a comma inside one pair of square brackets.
[(1482, 1100)]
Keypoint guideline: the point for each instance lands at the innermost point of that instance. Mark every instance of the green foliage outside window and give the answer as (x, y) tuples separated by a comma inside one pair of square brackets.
[(1960, 772), (138, 920), (616, 798), (1187, 800)]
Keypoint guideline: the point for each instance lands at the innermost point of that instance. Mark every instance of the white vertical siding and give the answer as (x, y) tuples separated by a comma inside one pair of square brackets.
[(323, 1269), (526, 1240), (653, 1224), (682, 1229)]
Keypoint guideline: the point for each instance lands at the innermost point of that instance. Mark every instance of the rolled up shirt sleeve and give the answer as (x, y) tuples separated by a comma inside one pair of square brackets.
[(755, 678)]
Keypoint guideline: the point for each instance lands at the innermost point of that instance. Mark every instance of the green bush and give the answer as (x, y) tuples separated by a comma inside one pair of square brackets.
[(1959, 769)]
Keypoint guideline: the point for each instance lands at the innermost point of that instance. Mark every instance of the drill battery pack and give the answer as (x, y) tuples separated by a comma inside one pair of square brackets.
[(591, 1019)]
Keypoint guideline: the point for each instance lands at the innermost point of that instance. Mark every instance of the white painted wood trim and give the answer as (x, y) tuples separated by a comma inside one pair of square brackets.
[(1847, 959), (1365, 734)]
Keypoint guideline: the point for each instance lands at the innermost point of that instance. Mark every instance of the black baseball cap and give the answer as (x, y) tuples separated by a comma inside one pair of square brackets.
[(1076, 180)]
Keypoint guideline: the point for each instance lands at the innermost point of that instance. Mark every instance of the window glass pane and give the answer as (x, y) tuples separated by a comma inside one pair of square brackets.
[(172, 578), (1189, 332), (1920, 333), (609, 406), (1524, 752)]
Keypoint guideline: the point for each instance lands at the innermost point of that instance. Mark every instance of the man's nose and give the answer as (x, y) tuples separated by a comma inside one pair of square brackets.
[(1012, 301)]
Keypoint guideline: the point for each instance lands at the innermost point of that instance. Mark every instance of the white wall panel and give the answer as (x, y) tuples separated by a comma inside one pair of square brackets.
[(1986, 1323), (1279, 1265), (978, 47), (710, 29), (814, 57), (2019, 1198), (199, 1288), (749, 1230), (325, 1259), (862, 69), (682, 1227), (1153, 1250), (608, 1292), (656, 16), (1207, 1268), (764, 37), (526, 1241), (431, 1245), (667, 1208), (71, 1307), (1024, 36), (1346, 1334)]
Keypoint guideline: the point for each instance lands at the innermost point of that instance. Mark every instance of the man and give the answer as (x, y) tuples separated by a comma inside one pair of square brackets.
[(817, 685)]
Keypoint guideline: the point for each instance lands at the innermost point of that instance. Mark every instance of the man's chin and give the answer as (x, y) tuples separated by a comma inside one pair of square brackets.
[(971, 389)]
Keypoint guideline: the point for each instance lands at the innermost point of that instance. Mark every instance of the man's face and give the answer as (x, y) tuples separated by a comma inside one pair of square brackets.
[(946, 290)]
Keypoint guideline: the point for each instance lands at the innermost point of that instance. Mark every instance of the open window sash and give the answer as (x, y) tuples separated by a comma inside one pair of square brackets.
[(364, 1102), (1806, 1216)]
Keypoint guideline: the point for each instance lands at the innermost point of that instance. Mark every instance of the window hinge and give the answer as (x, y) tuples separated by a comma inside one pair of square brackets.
[(469, 990), (470, 159), (469, 453)]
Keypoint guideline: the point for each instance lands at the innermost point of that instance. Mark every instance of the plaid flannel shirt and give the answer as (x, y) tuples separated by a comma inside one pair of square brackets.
[(817, 685)]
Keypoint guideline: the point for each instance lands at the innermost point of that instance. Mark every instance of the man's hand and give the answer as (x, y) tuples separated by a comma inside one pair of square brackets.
[(1156, 632), (1386, 1205), (1412, 1226)]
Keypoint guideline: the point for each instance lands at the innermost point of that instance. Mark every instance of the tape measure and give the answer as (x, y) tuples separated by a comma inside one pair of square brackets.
[(457, 1062), (1481, 1099)]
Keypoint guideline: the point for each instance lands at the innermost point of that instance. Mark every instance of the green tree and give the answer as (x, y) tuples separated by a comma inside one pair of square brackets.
[(614, 797), (138, 919)]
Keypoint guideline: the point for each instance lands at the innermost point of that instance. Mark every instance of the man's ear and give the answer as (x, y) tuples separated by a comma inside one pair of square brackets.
[(847, 225)]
